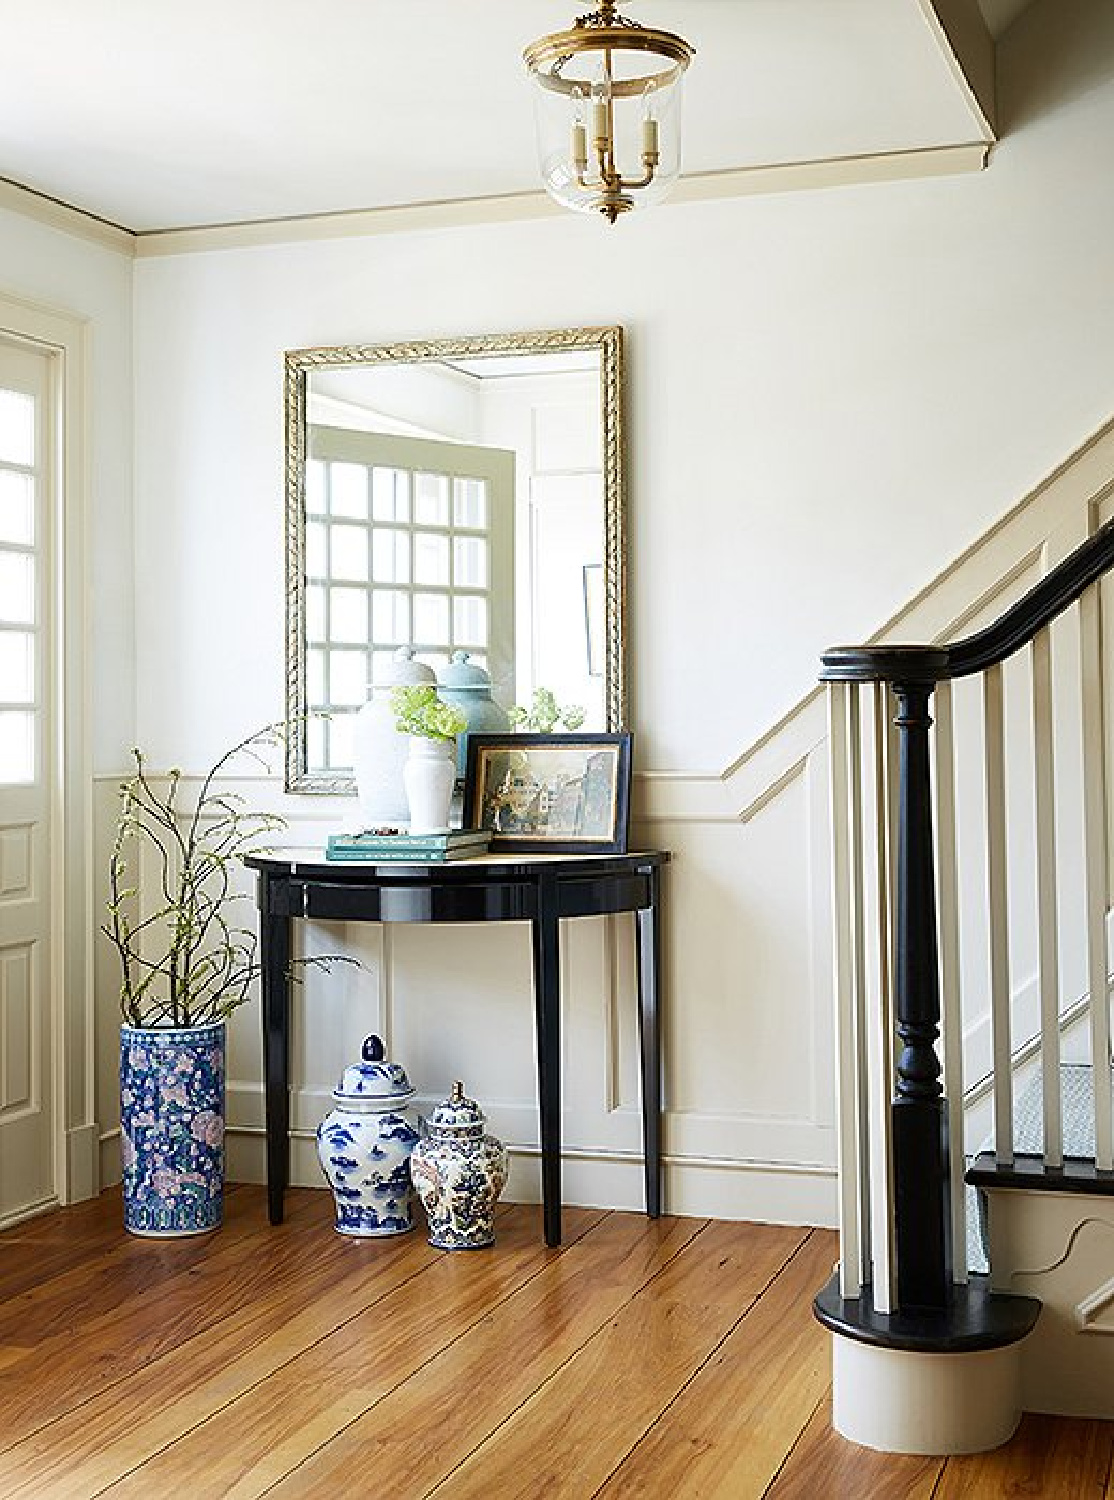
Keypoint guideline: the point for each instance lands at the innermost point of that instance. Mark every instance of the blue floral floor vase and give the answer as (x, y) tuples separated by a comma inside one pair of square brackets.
[(172, 1128)]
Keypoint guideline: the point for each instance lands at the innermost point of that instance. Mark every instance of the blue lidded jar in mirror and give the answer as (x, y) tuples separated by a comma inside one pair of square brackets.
[(467, 686)]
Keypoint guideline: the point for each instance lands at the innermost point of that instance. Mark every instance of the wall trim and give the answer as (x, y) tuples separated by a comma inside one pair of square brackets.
[(696, 187), (56, 214), (31, 1211), (754, 1191), (967, 47)]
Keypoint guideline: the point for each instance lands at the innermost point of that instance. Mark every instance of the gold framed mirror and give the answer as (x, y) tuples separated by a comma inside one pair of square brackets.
[(447, 495)]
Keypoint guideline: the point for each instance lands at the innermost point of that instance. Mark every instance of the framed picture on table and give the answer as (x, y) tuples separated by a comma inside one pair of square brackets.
[(550, 793)]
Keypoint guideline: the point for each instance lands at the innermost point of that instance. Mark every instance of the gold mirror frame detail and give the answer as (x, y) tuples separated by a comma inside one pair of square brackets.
[(298, 364)]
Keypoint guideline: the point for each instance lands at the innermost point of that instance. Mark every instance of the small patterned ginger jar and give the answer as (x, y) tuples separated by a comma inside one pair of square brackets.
[(459, 1173), (364, 1146)]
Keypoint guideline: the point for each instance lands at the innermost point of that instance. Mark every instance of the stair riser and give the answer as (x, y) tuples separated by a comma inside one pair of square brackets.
[(1059, 1247), (899, 1402)]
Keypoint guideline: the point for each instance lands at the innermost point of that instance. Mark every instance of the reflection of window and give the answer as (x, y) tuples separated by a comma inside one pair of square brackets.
[(398, 553), (595, 605)]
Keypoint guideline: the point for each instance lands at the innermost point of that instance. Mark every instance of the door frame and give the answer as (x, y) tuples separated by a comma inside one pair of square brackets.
[(64, 338)]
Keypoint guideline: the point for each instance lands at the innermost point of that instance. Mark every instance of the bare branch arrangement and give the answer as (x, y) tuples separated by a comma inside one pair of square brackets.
[(185, 962)]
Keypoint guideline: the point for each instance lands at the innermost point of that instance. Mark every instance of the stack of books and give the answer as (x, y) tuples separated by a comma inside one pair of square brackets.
[(424, 848)]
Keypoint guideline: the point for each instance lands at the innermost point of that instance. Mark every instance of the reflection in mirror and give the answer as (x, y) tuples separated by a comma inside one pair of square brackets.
[(462, 495)]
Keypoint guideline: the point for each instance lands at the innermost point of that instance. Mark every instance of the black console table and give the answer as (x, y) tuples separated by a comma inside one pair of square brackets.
[(539, 889)]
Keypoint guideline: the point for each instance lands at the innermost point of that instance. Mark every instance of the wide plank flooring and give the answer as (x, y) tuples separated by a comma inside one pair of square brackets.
[(675, 1358)]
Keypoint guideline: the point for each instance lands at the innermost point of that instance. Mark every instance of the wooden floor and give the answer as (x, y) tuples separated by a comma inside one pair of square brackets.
[(674, 1359)]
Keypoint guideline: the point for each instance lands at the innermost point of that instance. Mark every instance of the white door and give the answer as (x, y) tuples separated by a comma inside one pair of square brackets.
[(27, 1177)]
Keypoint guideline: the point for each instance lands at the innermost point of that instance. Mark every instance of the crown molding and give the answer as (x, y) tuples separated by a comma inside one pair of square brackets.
[(696, 187), (968, 49), (31, 204)]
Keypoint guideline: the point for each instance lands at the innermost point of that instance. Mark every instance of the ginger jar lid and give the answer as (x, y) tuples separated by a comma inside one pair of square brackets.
[(373, 1078), (405, 671), (457, 1116), (463, 673)]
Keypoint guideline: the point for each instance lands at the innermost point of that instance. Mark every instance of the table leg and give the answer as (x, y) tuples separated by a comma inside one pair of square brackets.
[(275, 982), (547, 1003), (649, 1038)]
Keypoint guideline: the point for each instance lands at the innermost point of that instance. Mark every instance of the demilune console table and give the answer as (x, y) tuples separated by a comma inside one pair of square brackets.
[(539, 889)]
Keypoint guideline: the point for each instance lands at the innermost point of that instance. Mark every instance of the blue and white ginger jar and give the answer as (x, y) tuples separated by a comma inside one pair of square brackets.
[(459, 1173), (364, 1146)]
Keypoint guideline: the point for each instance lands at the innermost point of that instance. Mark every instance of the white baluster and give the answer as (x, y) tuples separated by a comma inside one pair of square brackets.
[(995, 782), (1095, 864), (859, 950), (947, 892), (1048, 963), (879, 852), (842, 749)]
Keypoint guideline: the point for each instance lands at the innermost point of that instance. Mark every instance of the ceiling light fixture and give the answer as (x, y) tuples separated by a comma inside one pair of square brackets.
[(608, 108)]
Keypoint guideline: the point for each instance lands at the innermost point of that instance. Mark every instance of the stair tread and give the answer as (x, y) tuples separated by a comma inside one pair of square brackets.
[(1029, 1171)]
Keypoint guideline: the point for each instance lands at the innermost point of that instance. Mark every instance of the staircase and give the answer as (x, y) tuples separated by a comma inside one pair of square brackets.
[(927, 1356)]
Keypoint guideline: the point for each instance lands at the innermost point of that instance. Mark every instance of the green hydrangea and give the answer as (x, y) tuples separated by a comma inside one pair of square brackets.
[(544, 714), (418, 710)]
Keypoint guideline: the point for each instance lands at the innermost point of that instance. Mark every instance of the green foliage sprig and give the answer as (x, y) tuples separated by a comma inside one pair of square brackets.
[(544, 714), (184, 960), (418, 710)]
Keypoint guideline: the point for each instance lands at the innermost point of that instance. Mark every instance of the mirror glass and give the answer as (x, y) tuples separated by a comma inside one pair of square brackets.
[(448, 496)]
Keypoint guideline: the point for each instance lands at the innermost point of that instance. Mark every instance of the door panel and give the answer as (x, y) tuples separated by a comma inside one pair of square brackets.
[(27, 1177)]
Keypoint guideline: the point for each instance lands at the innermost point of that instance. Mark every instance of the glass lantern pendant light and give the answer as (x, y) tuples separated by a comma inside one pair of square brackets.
[(607, 100)]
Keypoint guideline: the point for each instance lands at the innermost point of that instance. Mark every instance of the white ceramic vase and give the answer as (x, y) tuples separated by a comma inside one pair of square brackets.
[(380, 751), (380, 754), (429, 776)]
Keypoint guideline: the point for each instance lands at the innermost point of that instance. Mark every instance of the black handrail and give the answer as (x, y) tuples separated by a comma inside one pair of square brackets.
[(986, 648)]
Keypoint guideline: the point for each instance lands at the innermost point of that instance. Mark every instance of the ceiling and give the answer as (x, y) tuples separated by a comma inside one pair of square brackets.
[(155, 116)]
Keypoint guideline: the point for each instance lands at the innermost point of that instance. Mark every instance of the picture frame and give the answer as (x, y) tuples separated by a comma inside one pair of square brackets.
[(550, 793)]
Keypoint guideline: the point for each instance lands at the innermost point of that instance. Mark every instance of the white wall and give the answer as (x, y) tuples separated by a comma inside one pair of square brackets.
[(830, 395)]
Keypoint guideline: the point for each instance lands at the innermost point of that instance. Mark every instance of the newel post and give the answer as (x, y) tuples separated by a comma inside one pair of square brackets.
[(890, 1388), (920, 1167)]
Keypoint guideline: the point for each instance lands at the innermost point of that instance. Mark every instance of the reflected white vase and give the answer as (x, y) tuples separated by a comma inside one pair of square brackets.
[(380, 753), (428, 776)]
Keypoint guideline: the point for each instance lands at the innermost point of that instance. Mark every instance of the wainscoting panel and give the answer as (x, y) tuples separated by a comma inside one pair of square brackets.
[(749, 1120)]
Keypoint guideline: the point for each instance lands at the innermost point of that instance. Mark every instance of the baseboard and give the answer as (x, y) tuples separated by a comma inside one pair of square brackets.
[(29, 1211), (758, 1192), (83, 1166), (109, 1158)]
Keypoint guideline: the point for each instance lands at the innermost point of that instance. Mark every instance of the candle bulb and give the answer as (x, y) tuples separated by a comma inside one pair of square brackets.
[(599, 123), (579, 146), (649, 137)]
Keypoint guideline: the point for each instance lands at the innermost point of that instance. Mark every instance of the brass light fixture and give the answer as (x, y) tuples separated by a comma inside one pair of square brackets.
[(608, 108)]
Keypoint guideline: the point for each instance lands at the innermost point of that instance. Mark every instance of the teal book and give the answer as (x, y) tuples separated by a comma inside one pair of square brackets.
[(457, 843), (403, 856)]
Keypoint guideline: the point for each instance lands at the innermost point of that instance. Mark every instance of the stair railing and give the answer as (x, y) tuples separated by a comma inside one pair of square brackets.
[(896, 912)]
